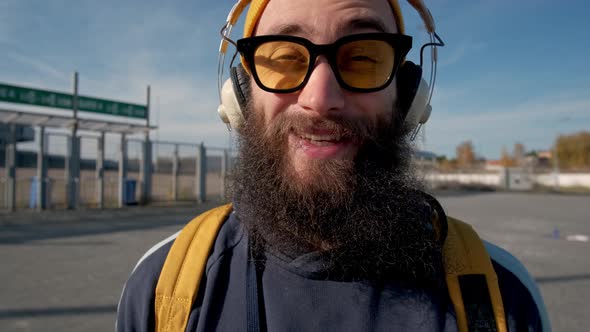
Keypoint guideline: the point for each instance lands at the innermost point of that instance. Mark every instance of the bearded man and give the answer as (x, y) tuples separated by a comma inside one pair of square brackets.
[(330, 228)]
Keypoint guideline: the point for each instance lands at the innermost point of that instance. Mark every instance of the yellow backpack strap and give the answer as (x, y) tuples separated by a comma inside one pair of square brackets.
[(184, 266), (471, 279)]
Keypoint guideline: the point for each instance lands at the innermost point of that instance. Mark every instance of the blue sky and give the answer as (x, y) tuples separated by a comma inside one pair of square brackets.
[(513, 71)]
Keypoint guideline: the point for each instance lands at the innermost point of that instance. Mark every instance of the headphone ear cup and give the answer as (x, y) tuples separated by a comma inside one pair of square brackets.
[(241, 83), (234, 98), (419, 111), (413, 94)]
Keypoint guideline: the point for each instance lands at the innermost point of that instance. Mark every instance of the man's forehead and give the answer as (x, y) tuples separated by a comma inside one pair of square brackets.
[(326, 17), (356, 24)]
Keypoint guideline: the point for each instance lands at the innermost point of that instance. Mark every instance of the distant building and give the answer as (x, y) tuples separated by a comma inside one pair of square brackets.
[(539, 161), (494, 165), (545, 154)]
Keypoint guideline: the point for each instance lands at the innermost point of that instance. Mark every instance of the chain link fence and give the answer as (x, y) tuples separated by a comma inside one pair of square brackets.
[(177, 172), (162, 180), (187, 172), (88, 177)]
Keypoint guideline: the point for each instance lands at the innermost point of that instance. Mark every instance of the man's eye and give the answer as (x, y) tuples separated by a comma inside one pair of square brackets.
[(289, 57), (284, 51), (363, 58)]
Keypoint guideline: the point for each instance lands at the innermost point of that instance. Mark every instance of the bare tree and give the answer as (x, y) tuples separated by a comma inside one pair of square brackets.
[(573, 151), (518, 154), (506, 159), (465, 155)]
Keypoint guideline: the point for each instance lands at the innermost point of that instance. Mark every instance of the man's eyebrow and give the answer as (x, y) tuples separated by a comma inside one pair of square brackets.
[(366, 23), (288, 29)]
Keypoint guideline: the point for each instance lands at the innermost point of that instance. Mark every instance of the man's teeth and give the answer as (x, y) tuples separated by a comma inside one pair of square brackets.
[(334, 137)]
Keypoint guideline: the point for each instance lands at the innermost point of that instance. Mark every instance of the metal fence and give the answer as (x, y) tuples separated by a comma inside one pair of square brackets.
[(113, 172)]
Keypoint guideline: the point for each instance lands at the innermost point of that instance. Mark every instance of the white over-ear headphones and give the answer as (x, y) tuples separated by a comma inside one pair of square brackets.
[(416, 91), (420, 109), (230, 110)]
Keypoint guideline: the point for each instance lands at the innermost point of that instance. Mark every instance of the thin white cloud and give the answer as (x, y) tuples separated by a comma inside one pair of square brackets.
[(7, 19), (545, 108), (461, 51), (185, 108), (42, 67), (536, 122), (444, 96)]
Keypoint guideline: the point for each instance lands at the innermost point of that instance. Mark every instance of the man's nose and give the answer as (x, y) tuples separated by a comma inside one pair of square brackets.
[(322, 94)]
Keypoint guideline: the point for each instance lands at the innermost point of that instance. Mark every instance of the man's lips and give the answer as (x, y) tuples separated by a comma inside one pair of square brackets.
[(322, 138), (318, 144)]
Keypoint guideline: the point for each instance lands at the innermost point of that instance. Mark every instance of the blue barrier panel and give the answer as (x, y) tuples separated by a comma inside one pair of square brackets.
[(129, 197), (33, 192)]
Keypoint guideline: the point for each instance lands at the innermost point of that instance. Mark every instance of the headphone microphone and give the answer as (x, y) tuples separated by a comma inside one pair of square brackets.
[(414, 92)]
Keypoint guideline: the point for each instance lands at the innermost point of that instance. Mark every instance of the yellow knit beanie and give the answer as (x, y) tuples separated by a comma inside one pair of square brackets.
[(257, 7)]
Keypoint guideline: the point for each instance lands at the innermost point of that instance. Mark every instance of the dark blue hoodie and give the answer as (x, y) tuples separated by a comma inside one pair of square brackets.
[(297, 298)]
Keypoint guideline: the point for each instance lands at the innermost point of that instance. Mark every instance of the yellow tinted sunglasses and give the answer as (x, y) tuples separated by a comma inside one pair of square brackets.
[(361, 63)]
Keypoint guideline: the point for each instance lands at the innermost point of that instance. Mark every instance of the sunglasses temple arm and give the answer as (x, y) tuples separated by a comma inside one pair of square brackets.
[(439, 42), (224, 32)]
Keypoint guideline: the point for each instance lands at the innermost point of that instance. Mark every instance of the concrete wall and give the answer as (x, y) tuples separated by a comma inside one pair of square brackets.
[(489, 179), (565, 180), (496, 179)]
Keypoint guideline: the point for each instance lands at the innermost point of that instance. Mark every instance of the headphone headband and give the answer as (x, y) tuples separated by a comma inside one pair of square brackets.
[(425, 14), (232, 19)]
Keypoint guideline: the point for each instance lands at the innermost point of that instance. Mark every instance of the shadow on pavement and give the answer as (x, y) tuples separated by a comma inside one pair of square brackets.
[(30, 228), (561, 279), (67, 311), (69, 243), (22, 234), (460, 192)]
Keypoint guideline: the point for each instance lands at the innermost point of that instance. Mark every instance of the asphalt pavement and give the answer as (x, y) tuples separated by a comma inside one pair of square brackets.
[(64, 270)]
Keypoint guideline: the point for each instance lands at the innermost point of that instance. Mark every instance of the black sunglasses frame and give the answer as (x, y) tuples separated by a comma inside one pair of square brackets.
[(401, 45)]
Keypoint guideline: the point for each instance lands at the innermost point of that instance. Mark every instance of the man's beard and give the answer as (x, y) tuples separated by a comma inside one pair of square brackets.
[(366, 216)]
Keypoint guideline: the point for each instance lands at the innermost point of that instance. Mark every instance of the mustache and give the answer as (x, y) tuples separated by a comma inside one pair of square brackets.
[(352, 128)]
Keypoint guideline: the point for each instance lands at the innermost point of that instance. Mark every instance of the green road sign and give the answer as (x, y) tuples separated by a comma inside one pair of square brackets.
[(37, 97)]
